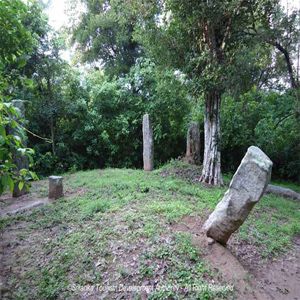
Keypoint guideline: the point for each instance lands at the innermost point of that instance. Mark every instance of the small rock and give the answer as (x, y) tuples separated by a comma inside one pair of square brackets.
[(55, 187), (210, 241)]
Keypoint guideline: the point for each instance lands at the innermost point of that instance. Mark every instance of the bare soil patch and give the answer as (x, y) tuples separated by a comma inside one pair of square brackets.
[(241, 265)]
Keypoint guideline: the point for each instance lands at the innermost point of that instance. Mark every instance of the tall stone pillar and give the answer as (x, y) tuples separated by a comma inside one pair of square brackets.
[(20, 161), (148, 143), (246, 188), (193, 145)]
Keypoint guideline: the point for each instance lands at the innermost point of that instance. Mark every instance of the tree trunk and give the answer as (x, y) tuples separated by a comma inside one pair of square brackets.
[(51, 107), (52, 134), (211, 172)]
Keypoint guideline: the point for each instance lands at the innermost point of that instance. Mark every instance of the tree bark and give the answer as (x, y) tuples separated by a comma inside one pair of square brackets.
[(51, 107), (211, 172), (52, 134)]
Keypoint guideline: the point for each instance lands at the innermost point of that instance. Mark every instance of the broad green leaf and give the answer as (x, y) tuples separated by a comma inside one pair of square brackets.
[(27, 187), (23, 172), (11, 184), (33, 175), (2, 131), (21, 185), (2, 140)]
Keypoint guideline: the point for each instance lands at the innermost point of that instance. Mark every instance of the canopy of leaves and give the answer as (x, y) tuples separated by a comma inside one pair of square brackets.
[(101, 38), (15, 39)]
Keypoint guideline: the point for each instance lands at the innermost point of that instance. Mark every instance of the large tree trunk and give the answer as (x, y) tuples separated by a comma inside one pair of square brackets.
[(211, 172)]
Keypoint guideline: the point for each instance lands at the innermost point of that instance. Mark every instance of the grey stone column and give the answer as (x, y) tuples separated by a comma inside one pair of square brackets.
[(193, 144), (20, 161), (246, 188), (55, 187), (148, 143)]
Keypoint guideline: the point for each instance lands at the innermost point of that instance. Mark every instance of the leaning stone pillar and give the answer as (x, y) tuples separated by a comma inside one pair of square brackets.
[(193, 143), (55, 187), (20, 161), (148, 143), (246, 188)]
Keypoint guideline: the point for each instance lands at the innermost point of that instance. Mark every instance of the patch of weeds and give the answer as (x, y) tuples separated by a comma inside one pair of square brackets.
[(185, 246), (164, 252), (4, 222), (144, 188), (123, 272), (272, 225), (146, 271), (247, 276), (172, 211), (160, 295), (95, 206), (149, 230)]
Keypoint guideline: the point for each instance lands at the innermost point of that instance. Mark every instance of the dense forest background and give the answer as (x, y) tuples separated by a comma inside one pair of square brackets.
[(131, 59)]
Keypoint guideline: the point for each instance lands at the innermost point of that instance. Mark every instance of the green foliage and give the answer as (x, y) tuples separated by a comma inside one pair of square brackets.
[(98, 122), (101, 36), (15, 39), (10, 144), (19, 32), (91, 119), (272, 225), (267, 120)]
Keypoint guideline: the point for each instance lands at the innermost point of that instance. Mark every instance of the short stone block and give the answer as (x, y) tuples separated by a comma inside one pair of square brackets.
[(55, 187)]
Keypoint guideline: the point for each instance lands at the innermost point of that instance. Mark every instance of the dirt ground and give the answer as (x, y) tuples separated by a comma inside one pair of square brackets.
[(253, 277), (239, 263)]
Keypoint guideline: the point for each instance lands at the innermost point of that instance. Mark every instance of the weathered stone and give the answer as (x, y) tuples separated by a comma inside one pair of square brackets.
[(193, 145), (20, 161), (280, 191), (246, 188), (210, 241), (148, 143), (55, 187)]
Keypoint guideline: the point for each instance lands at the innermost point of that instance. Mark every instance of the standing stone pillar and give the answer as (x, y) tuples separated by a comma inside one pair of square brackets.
[(20, 161), (55, 187), (246, 188), (193, 143), (148, 143)]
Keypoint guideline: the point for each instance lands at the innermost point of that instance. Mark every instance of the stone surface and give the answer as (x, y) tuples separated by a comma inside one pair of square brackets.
[(55, 187), (22, 207), (148, 143), (246, 188), (20, 161), (280, 191), (193, 145), (210, 241)]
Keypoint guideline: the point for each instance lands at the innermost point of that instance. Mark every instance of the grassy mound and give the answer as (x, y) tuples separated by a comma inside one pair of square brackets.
[(115, 228)]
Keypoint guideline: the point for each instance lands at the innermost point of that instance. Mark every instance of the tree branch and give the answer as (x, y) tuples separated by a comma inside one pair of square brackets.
[(227, 32), (286, 54), (289, 115)]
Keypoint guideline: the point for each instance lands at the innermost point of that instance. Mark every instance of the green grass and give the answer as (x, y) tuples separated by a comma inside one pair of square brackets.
[(120, 230), (273, 224)]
